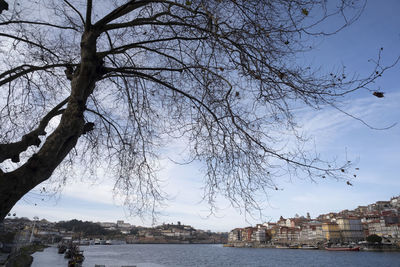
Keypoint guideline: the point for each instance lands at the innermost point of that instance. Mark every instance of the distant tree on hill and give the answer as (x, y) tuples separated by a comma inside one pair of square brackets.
[(374, 239), (110, 83), (134, 231), (87, 228)]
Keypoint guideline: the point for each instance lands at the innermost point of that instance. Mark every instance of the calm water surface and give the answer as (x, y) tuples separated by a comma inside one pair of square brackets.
[(215, 255)]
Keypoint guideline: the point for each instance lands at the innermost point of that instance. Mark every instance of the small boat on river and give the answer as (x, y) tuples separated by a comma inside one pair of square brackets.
[(343, 248), (308, 247), (279, 246), (62, 248)]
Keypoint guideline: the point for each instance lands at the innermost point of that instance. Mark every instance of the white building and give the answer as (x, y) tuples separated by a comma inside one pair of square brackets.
[(260, 235)]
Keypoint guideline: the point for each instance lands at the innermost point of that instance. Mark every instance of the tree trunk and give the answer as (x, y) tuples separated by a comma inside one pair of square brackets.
[(14, 185)]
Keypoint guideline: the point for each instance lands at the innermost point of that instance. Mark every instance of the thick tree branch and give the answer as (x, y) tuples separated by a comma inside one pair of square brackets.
[(143, 68), (146, 21), (162, 23), (120, 11), (88, 23), (12, 150), (19, 22), (19, 71), (135, 22), (124, 48)]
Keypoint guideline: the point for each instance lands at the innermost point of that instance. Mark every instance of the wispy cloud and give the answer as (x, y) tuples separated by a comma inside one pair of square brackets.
[(330, 124)]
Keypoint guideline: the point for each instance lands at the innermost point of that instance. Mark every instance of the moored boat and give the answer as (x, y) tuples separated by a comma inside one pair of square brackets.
[(279, 246), (78, 257), (308, 247), (68, 254), (62, 248), (343, 248)]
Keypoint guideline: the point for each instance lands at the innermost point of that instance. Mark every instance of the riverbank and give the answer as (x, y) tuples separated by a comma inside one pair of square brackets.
[(174, 242), (23, 257), (363, 247)]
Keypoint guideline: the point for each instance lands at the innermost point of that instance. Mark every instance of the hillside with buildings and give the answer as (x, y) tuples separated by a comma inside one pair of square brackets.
[(348, 226), (22, 231), (17, 233)]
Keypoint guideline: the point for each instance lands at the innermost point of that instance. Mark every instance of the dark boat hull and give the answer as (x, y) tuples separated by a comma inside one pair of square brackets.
[(343, 249)]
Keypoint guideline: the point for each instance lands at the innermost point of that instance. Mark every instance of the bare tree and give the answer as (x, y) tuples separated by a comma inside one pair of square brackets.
[(113, 81)]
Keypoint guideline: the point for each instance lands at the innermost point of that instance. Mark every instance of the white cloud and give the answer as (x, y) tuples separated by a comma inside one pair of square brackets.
[(99, 193), (330, 124), (57, 213)]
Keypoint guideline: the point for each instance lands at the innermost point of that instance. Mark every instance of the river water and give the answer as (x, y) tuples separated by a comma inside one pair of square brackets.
[(154, 255)]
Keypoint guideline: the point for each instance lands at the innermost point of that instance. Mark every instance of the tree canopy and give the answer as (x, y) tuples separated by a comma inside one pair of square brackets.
[(109, 83), (374, 238), (86, 228)]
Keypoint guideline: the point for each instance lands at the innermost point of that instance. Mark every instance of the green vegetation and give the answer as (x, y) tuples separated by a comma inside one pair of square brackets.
[(23, 257), (134, 231), (86, 228), (7, 237), (374, 239)]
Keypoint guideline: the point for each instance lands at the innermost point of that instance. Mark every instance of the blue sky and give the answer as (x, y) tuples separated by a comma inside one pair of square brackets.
[(377, 153)]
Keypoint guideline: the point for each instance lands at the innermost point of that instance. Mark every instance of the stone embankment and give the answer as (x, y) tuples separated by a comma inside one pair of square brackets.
[(364, 247), (22, 257)]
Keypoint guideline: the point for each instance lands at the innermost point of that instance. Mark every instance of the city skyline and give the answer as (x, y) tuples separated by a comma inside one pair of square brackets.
[(125, 224)]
